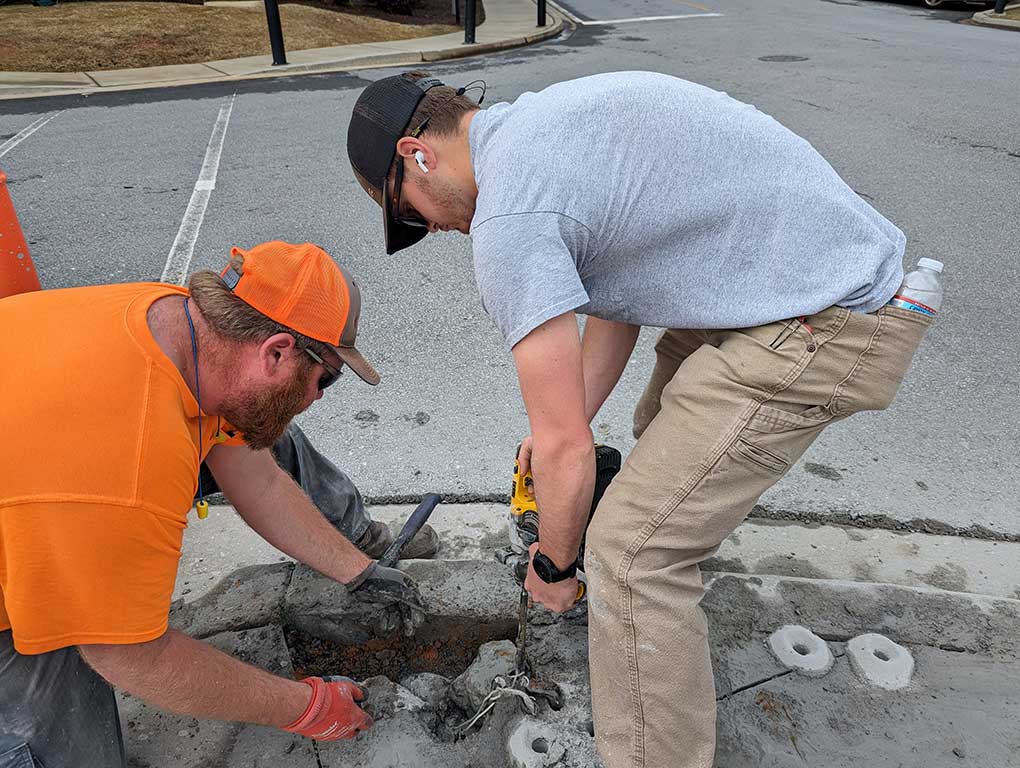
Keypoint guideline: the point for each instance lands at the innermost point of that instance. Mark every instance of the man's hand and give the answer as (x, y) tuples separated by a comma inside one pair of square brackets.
[(332, 713), (524, 456), (388, 586), (559, 597)]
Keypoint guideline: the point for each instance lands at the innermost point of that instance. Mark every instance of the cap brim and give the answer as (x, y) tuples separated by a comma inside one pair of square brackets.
[(398, 236), (354, 360)]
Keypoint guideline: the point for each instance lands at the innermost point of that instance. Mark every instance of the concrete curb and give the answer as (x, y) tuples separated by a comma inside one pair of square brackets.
[(508, 24), (992, 19)]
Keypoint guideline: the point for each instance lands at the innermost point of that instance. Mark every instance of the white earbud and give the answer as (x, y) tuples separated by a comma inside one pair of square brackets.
[(419, 157)]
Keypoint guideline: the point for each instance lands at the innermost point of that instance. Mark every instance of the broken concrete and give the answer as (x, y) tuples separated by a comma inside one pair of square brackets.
[(960, 701), (249, 597), (495, 659)]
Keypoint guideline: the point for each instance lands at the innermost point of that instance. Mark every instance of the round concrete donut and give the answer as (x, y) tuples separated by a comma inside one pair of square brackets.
[(798, 648), (880, 662)]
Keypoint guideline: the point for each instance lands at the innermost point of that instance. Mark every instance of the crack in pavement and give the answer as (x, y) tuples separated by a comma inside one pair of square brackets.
[(769, 679)]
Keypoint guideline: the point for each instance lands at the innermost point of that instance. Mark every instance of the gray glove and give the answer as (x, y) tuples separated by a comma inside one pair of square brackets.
[(388, 586)]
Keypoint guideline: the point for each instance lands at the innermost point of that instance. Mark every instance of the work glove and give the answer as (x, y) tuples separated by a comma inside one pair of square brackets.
[(388, 586), (332, 713)]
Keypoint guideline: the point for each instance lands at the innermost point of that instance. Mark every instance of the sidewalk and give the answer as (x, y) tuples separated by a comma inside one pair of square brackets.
[(990, 18), (223, 543), (508, 24)]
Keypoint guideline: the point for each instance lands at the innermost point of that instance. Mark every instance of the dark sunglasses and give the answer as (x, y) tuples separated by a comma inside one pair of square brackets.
[(331, 376), (398, 186)]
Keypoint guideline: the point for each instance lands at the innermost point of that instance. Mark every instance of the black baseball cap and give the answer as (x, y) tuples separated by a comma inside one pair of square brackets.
[(380, 119)]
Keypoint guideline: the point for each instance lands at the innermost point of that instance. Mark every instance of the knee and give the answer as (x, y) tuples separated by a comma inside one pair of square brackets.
[(648, 408)]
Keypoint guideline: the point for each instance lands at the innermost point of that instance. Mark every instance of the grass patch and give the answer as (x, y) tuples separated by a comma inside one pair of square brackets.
[(73, 37), (1011, 13)]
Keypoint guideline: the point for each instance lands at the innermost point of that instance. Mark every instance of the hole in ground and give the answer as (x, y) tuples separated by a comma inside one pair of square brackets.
[(802, 649), (882, 655), (446, 648), (540, 745)]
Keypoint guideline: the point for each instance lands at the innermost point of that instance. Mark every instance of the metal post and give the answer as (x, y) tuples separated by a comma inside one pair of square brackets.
[(1000, 6), (275, 33), (541, 13), (456, 11), (469, 22)]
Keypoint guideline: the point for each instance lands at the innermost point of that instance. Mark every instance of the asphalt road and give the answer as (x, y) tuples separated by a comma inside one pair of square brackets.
[(917, 112)]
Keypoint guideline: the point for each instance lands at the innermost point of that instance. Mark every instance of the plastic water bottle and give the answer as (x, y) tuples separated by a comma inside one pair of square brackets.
[(922, 288)]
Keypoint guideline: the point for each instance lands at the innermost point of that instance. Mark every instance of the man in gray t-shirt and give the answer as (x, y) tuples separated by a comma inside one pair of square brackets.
[(640, 199)]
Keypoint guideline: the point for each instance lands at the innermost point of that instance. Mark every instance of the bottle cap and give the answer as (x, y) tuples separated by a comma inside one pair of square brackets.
[(930, 264)]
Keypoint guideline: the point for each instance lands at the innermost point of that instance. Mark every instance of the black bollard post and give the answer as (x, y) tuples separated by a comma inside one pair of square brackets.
[(456, 11), (541, 13), (275, 32), (1000, 6), (469, 22)]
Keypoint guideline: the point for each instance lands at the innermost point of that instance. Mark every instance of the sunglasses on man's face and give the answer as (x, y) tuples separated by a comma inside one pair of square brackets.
[(407, 219), (331, 376)]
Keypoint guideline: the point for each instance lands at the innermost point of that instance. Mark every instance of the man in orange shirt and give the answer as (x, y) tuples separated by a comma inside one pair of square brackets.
[(95, 492)]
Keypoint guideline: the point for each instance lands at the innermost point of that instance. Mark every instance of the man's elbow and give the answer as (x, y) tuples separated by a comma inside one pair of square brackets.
[(568, 445), (119, 664)]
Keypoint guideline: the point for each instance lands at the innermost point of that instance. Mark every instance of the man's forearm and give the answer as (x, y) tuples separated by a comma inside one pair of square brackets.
[(564, 473), (276, 508), (605, 349), (187, 676), (289, 521)]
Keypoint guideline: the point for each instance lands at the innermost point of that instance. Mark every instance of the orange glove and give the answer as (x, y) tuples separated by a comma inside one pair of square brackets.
[(332, 713)]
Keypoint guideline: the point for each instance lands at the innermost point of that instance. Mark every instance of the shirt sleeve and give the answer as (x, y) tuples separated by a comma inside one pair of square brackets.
[(525, 271), (85, 572)]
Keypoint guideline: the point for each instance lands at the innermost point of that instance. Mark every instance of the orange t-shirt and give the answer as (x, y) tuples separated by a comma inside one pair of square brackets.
[(98, 467)]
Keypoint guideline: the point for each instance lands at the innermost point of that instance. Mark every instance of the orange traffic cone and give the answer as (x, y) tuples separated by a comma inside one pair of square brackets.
[(17, 272)]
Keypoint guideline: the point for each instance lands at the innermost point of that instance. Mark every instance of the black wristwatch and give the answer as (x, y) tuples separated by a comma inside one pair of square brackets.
[(547, 571)]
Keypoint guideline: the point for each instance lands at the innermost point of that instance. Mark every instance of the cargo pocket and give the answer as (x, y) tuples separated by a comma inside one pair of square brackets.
[(18, 757), (774, 438)]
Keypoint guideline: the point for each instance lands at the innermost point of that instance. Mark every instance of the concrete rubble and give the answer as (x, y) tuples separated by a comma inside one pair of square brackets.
[(956, 710)]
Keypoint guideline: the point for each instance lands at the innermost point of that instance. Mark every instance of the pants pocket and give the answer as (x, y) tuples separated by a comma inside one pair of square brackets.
[(775, 438), (18, 757), (881, 367)]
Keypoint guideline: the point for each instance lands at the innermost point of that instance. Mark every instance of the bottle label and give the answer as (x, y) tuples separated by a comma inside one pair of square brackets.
[(911, 305)]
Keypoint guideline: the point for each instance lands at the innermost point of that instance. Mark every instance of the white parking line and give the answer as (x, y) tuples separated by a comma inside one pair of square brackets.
[(611, 22), (181, 252), (19, 137)]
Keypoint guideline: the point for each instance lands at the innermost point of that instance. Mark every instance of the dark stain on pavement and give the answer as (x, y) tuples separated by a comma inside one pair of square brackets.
[(420, 418), (822, 470), (783, 57), (724, 564), (949, 576), (788, 565), (366, 417)]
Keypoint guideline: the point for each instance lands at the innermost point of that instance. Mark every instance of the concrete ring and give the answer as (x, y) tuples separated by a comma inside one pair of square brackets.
[(800, 649), (880, 662)]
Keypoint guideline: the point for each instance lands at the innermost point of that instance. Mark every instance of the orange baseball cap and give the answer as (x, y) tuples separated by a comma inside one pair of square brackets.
[(301, 287)]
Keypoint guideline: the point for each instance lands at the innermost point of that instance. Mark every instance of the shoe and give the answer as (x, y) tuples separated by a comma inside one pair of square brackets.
[(377, 539)]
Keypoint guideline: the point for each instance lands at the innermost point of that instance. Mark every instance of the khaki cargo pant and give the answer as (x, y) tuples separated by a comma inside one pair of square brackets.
[(725, 415)]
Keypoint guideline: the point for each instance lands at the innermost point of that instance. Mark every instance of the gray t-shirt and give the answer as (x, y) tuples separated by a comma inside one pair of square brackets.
[(647, 199)]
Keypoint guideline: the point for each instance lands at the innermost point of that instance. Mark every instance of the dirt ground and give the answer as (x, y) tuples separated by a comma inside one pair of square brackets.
[(82, 36)]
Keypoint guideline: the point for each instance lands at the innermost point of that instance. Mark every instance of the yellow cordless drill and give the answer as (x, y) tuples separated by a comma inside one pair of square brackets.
[(524, 531), (524, 509)]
